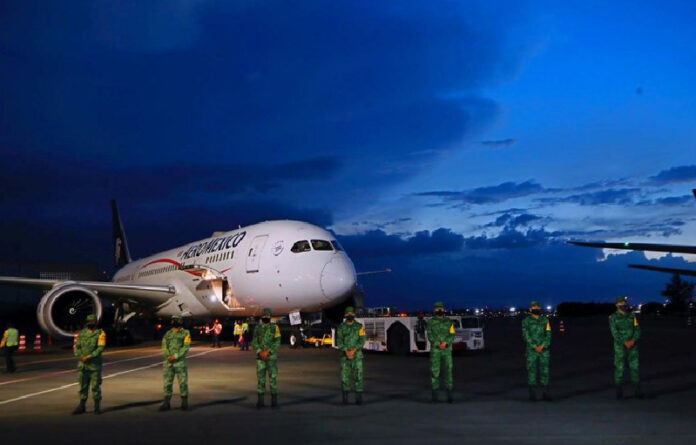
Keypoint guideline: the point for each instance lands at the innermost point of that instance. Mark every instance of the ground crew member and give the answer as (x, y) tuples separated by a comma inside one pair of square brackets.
[(626, 332), (350, 339), (440, 333), (536, 331), (175, 345), (89, 346), (266, 344), (217, 330), (236, 333), (10, 341), (246, 336)]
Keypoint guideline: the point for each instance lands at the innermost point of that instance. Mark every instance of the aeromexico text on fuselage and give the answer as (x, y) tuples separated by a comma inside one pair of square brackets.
[(215, 245)]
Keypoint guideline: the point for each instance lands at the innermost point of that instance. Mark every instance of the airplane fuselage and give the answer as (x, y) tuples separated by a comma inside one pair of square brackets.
[(284, 265)]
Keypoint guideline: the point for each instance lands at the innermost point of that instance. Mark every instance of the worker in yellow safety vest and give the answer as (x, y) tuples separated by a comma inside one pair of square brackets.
[(10, 342)]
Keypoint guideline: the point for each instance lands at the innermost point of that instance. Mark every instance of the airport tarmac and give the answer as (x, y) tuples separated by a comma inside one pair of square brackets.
[(490, 405)]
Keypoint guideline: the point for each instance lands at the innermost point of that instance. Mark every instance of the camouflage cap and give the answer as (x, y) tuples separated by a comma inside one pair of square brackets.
[(349, 309), (267, 311), (439, 304), (621, 299), (91, 317), (534, 303)]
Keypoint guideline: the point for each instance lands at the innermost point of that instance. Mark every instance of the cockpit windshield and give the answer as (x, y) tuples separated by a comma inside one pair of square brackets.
[(301, 246), (337, 245), (320, 244)]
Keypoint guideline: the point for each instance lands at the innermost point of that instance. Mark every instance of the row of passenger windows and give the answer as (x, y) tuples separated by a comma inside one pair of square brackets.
[(220, 257), (316, 244), (148, 273)]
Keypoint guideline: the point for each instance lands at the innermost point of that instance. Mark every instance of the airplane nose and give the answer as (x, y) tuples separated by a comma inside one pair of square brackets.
[(337, 278)]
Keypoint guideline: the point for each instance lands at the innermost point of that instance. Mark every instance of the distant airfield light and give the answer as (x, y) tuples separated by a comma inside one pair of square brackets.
[(548, 308), (626, 244), (476, 311), (512, 309)]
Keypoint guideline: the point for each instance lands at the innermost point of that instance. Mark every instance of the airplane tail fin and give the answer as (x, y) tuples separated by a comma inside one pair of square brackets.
[(121, 253)]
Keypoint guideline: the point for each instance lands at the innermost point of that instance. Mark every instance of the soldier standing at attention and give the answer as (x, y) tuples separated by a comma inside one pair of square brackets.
[(440, 333), (626, 332), (536, 331), (89, 346), (175, 345), (266, 344), (10, 341), (350, 339)]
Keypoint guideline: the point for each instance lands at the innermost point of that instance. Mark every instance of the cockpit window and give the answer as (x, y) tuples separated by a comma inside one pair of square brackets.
[(301, 246), (337, 246), (320, 244)]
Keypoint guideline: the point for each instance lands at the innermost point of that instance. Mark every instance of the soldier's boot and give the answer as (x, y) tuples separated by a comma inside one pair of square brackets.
[(434, 396), (166, 406), (184, 403), (619, 392), (639, 392), (80, 408), (97, 406), (532, 394), (546, 395), (274, 400), (344, 397), (450, 396), (260, 401), (358, 398)]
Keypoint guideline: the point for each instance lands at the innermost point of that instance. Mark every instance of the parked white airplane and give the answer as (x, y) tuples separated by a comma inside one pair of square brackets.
[(289, 266)]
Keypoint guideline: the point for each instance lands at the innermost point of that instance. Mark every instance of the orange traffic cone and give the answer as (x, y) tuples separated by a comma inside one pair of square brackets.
[(562, 328), (74, 343), (37, 343), (22, 344)]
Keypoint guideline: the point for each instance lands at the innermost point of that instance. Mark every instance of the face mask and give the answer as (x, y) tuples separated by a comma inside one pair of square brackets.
[(350, 317), (439, 313), (176, 323), (623, 307), (91, 326), (266, 320), (536, 311)]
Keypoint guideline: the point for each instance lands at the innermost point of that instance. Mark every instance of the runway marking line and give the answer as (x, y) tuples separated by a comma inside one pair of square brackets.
[(70, 385), (107, 353)]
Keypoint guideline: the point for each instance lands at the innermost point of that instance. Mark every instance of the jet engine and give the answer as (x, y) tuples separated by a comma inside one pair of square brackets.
[(62, 311)]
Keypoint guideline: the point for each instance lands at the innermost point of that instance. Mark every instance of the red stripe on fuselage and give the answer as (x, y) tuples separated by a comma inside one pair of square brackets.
[(168, 261)]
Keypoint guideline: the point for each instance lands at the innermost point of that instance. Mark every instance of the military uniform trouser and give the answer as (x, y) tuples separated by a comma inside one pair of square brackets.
[(267, 367), (9, 360), (87, 378), (540, 360), (352, 370), (440, 357), (181, 371), (621, 355)]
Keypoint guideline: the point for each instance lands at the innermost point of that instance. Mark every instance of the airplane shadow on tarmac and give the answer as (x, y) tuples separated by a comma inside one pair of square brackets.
[(218, 402)]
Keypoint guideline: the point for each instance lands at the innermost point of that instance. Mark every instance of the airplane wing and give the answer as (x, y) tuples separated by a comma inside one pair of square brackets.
[(674, 248), (144, 293), (664, 269)]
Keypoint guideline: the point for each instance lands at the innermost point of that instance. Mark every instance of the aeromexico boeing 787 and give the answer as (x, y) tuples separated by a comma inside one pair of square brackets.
[(668, 248), (289, 266)]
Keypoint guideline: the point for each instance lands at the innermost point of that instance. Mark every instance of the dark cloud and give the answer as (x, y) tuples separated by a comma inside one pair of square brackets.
[(613, 196), (501, 143), (377, 243), (488, 195), (675, 200), (684, 173), (511, 220), (510, 238)]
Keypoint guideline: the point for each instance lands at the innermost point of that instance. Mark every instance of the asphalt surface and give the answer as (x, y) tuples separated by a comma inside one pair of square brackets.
[(490, 405)]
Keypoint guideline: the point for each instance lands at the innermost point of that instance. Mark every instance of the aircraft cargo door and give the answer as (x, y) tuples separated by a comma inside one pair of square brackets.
[(254, 254)]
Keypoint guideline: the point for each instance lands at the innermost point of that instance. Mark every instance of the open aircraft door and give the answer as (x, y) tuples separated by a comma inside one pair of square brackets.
[(254, 256)]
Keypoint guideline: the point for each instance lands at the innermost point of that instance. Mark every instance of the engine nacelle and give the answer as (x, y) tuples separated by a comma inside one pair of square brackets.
[(62, 311)]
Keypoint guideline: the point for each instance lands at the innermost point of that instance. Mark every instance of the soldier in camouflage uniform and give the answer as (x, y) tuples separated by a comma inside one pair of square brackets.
[(266, 343), (350, 339), (440, 333), (89, 345), (175, 345), (626, 332), (536, 331)]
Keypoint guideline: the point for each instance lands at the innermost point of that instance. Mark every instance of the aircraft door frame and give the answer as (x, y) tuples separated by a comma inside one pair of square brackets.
[(253, 258)]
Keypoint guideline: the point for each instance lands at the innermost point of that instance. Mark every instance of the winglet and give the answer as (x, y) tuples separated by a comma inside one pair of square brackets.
[(694, 192)]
